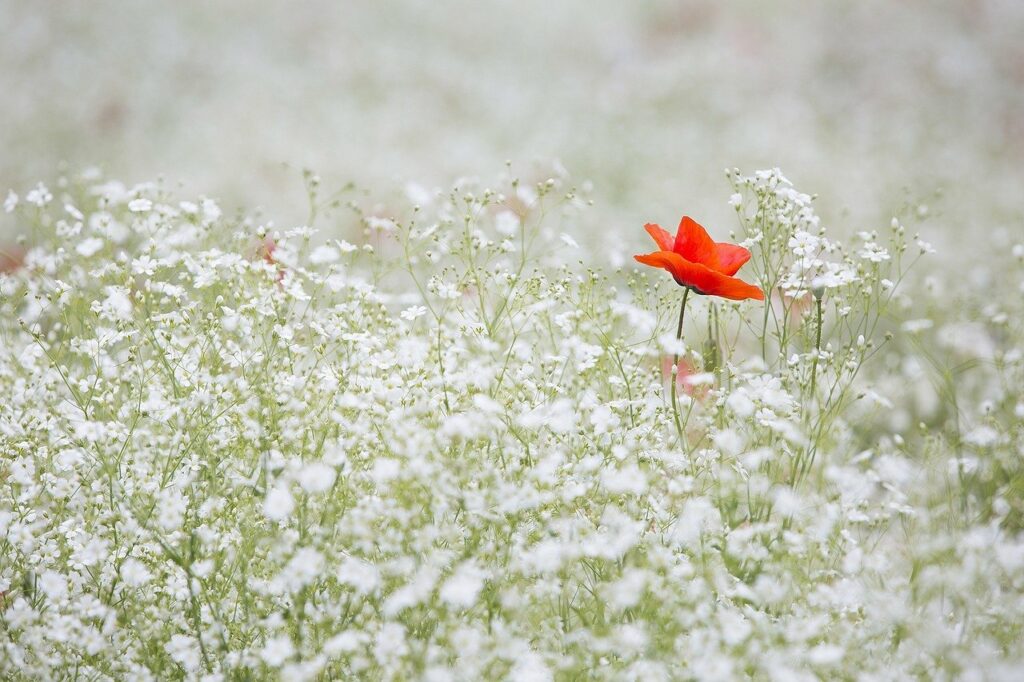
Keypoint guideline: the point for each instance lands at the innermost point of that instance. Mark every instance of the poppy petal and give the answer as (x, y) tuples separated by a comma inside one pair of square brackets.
[(660, 235), (735, 289), (700, 277), (731, 257), (666, 260), (695, 244)]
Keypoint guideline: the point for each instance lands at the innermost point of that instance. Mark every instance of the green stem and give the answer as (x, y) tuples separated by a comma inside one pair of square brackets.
[(675, 367), (817, 349), (803, 465)]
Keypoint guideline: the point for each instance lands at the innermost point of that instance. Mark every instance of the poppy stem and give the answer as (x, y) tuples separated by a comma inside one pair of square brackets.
[(675, 367)]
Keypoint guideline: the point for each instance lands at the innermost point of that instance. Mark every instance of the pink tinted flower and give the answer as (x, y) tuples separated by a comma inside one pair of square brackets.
[(265, 250), (687, 377), (12, 259)]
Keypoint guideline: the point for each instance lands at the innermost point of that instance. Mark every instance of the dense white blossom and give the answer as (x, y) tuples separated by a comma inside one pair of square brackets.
[(309, 458)]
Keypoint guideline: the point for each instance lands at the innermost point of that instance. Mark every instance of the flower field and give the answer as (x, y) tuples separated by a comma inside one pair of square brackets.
[(453, 451), (599, 412)]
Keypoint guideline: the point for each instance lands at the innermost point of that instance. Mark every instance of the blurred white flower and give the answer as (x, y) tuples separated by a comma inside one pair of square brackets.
[(279, 503), (413, 312)]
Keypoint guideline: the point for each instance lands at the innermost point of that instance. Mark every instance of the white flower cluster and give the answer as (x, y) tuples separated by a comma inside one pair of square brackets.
[(783, 221), (443, 450)]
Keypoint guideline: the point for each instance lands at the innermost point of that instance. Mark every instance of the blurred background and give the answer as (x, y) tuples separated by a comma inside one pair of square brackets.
[(872, 104)]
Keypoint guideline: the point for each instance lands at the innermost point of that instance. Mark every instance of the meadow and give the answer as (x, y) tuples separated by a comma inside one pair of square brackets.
[(454, 450), (419, 412)]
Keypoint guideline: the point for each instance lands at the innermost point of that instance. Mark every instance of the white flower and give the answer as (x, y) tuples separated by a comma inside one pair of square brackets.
[(413, 312), (559, 416), (463, 587), (203, 568), (337, 282), (729, 441), (804, 243), (603, 419), (418, 194), (390, 643), (445, 289), (982, 436), (140, 205), (917, 326), (11, 202), (211, 211), (834, 276), (144, 265), (324, 254), (316, 477), (384, 470), (629, 479), (587, 354), (279, 503), (345, 642), (826, 654), (53, 585), (171, 509), (507, 223), (303, 569), (277, 650), (89, 247), (526, 195), (134, 573), (874, 253), (39, 196), (117, 305), (530, 667), (381, 224), (360, 575), (671, 345), (740, 404), (185, 651)]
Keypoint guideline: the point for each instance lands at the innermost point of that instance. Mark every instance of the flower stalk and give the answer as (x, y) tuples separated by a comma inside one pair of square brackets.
[(817, 341), (675, 367)]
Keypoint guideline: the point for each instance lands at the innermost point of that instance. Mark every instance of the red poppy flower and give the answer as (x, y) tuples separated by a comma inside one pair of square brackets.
[(699, 262)]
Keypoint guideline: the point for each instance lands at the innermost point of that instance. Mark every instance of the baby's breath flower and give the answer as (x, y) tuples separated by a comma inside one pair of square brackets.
[(38, 196), (234, 451), (279, 503), (140, 205), (413, 312), (89, 246)]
